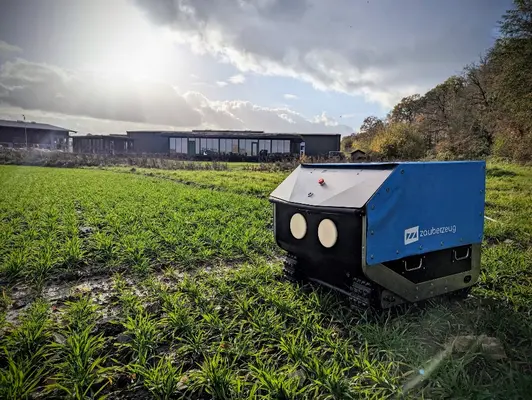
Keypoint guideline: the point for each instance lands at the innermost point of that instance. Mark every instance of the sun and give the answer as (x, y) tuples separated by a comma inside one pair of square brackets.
[(144, 55)]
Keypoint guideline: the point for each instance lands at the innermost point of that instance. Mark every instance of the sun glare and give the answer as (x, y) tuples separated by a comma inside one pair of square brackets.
[(149, 55)]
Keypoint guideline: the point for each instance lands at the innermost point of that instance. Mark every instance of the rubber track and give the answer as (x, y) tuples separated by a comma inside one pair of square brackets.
[(362, 293)]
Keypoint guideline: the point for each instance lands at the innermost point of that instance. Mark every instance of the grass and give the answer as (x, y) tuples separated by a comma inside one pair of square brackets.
[(196, 307), (253, 183), (163, 379), (506, 262), (80, 371), (94, 220)]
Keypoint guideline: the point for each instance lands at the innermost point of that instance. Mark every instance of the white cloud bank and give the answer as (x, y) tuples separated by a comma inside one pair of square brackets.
[(97, 103), (381, 49)]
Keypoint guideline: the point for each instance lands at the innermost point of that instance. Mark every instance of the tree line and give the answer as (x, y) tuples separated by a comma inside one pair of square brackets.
[(486, 110)]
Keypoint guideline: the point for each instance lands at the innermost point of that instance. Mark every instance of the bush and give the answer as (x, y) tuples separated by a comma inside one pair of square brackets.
[(513, 145), (398, 141), (71, 160)]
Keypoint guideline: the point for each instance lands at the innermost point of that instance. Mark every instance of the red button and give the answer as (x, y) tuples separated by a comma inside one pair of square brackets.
[(321, 181)]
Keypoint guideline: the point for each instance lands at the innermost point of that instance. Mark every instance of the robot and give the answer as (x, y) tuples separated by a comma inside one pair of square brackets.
[(383, 233)]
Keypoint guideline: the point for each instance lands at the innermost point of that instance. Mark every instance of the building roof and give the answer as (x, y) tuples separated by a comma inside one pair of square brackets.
[(31, 125), (358, 151), (229, 133), (225, 131), (234, 134), (320, 134), (99, 136)]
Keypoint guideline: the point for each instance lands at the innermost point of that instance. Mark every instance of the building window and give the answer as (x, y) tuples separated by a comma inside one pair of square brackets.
[(229, 146), (212, 145), (281, 146), (275, 147), (265, 145), (179, 145)]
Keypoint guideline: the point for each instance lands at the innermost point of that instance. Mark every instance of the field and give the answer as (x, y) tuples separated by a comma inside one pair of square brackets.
[(137, 284)]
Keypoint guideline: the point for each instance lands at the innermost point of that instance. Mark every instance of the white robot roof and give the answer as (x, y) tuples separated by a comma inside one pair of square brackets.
[(341, 187)]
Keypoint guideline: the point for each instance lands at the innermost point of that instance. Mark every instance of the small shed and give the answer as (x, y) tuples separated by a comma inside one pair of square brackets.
[(358, 155)]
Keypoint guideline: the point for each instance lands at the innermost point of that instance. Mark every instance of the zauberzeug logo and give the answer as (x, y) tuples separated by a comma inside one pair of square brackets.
[(411, 235)]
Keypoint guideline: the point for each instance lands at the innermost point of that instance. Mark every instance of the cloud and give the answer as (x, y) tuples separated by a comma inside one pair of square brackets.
[(289, 96), (379, 49), (35, 86), (238, 114), (9, 48), (237, 79), (94, 102), (81, 124), (353, 115), (324, 119)]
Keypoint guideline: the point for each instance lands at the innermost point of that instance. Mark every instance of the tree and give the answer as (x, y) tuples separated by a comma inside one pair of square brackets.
[(371, 125), (480, 98), (439, 105), (347, 142), (517, 23), (406, 110), (479, 76), (511, 58), (485, 109)]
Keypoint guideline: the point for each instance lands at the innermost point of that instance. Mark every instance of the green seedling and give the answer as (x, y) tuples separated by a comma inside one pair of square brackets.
[(80, 371), (164, 379)]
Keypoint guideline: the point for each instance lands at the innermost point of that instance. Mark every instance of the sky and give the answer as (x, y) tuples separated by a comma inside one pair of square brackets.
[(106, 66)]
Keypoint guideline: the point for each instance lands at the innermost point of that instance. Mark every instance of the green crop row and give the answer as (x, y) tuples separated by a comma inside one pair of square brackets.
[(245, 334), (259, 184), (60, 221), (190, 300)]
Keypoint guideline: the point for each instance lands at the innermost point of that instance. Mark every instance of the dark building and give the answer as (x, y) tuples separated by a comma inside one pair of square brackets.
[(33, 134), (234, 144), (320, 144), (150, 142), (102, 144)]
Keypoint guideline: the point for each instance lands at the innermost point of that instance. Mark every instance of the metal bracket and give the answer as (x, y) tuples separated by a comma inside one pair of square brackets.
[(410, 291), (460, 258), (405, 263)]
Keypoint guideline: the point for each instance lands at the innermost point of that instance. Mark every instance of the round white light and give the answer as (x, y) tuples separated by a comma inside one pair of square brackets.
[(298, 226), (327, 233)]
